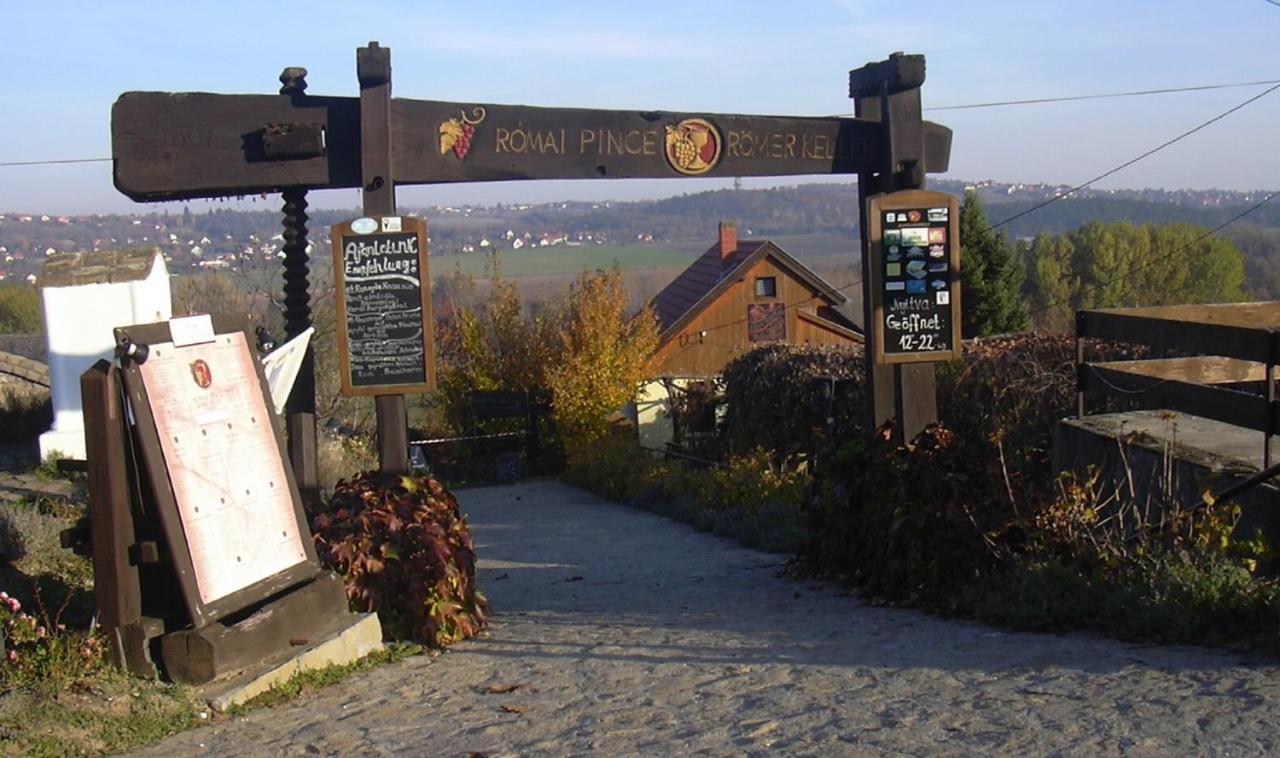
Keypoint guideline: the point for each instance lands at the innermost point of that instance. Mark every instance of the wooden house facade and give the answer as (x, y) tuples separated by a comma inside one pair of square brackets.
[(735, 297), (738, 296)]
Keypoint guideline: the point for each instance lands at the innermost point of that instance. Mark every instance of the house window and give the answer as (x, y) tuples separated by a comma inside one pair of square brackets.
[(766, 286)]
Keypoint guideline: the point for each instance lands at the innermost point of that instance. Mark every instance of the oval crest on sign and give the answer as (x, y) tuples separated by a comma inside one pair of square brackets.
[(364, 226)]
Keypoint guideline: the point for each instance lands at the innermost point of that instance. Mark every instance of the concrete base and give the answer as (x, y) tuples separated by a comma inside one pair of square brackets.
[(66, 443), (1161, 451), (359, 635)]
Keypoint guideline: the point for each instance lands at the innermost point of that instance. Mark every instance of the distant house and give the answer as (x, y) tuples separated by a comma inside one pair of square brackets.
[(735, 297)]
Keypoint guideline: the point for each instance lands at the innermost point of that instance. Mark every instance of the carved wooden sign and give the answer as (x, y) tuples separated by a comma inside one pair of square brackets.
[(186, 145), (914, 241), (385, 342)]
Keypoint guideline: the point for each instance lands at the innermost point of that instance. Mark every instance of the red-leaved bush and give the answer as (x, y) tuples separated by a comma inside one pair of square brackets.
[(405, 552)]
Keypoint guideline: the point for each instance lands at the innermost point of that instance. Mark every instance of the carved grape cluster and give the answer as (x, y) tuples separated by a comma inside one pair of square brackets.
[(684, 151), (457, 133)]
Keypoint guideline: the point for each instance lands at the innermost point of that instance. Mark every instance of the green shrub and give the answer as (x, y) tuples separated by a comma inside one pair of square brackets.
[(750, 499), (777, 398), (1172, 598), (40, 651), (406, 552), (24, 413), (616, 468)]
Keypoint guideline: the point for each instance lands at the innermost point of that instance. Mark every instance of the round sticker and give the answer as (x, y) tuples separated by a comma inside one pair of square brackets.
[(364, 225)]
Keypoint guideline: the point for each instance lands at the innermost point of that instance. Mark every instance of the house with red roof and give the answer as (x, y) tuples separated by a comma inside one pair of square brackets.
[(737, 296)]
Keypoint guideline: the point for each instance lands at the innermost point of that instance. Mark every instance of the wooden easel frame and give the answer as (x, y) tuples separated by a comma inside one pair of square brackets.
[(162, 493)]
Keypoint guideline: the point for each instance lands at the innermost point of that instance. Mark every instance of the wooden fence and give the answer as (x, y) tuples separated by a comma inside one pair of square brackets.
[(1212, 361)]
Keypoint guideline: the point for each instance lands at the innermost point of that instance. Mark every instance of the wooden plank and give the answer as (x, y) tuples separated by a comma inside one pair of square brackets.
[(198, 656), (1259, 315), (1229, 406), (1150, 327), (1208, 369), (377, 169), (185, 145), (116, 584)]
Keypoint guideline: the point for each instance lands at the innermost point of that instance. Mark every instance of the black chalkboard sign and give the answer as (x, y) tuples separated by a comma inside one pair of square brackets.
[(914, 241), (385, 341)]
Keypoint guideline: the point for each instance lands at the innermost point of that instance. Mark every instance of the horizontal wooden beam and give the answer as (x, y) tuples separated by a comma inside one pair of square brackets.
[(1229, 406), (1182, 333), (1206, 369), (185, 145)]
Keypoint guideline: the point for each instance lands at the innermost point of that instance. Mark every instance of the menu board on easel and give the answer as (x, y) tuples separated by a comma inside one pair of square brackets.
[(213, 453), (914, 241), (385, 340)]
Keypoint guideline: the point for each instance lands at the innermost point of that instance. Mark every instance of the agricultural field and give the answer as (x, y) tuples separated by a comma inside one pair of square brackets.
[(811, 249)]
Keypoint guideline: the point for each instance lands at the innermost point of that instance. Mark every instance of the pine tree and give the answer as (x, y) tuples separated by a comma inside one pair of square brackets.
[(991, 276)]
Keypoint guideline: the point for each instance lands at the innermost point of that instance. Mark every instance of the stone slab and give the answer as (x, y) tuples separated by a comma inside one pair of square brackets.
[(1163, 454)]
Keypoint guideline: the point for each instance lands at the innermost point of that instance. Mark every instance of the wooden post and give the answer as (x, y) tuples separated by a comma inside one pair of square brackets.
[(890, 91), (300, 408), (117, 586), (373, 69)]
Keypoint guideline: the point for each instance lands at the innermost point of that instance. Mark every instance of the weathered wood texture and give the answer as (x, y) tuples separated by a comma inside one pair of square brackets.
[(1229, 406), (1208, 369), (199, 656), (378, 190), (1235, 330), (116, 586), (888, 92), (1237, 342), (186, 145)]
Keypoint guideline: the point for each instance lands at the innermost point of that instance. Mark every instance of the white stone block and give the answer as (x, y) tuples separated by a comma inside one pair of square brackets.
[(84, 297)]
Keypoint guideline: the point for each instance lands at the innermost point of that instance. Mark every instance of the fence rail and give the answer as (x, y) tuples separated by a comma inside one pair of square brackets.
[(1220, 352)]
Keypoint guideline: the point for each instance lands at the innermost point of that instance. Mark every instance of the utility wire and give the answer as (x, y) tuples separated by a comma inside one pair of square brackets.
[(52, 162), (1132, 161), (1134, 269), (1135, 93), (1077, 188)]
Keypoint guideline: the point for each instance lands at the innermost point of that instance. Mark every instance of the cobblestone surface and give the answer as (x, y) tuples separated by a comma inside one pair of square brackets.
[(630, 634)]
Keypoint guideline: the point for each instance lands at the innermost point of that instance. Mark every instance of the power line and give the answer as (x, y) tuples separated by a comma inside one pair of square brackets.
[(52, 162), (1102, 96), (1130, 162), (1198, 239)]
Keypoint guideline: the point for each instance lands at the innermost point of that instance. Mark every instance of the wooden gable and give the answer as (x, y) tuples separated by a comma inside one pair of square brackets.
[(721, 324)]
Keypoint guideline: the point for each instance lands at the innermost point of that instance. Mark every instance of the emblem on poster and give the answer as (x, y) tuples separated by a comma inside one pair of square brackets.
[(202, 374)]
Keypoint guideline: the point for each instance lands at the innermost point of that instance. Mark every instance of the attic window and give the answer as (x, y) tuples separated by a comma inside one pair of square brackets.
[(766, 286)]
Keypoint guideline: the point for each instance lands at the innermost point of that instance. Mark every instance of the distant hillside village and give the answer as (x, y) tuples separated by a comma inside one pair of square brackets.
[(224, 238)]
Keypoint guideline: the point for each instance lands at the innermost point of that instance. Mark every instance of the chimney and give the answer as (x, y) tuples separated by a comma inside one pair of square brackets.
[(728, 241)]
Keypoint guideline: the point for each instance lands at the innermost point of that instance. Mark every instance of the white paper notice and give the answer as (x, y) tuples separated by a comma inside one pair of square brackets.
[(223, 462), (191, 330)]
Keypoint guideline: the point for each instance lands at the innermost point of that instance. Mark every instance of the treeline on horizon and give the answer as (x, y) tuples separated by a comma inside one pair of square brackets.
[(802, 209)]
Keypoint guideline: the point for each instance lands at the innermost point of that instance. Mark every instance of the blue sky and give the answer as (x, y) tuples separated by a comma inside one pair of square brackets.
[(64, 63)]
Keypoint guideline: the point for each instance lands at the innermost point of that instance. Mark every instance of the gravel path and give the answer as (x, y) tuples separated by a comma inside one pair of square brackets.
[(631, 634)]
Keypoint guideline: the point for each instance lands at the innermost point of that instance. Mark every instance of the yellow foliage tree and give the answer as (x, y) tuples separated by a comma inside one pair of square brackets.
[(598, 355), (581, 346)]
